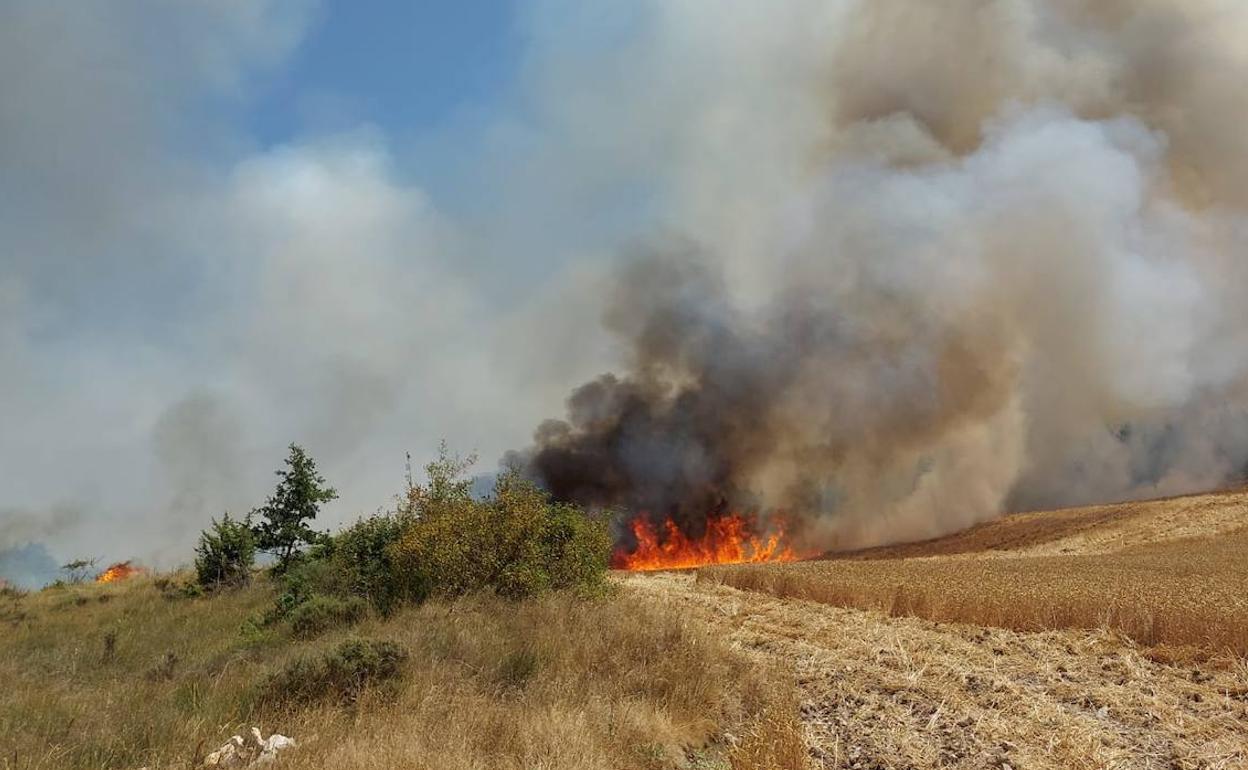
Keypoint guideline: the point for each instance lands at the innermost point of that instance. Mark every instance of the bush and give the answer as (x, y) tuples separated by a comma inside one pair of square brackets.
[(516, 542), (225, 553), (285, 604), (172, 591), (577, 549), (357, 562), (321, 613), (340, 675)]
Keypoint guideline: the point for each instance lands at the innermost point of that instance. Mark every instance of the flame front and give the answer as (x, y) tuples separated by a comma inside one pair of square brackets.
[(119, 571), (727, 540)]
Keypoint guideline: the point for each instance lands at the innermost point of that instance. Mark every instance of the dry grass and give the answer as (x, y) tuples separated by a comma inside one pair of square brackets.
[(882, 692), (551, 683), (1090, 530), (1162, 572), (1191, 592)]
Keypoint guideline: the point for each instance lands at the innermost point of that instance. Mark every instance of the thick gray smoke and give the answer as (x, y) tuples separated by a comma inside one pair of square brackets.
[(1002, 266), (908, 264)]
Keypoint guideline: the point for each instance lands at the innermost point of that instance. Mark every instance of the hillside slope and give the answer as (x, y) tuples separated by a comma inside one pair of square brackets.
[(130, 674), (1095, 529)]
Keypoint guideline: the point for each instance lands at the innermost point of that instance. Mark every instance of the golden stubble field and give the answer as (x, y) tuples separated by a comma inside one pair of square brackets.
[(878, 692), (1102, 637), (1169, 572)]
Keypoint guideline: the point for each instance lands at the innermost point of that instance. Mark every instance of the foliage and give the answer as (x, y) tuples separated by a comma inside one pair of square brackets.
[(341, 674), (283, 528), (357, 562), (576, 549), (225, 554), (78, 570), (173, 590), (516, 542), (189, 591), (321, 613), (284, 605)]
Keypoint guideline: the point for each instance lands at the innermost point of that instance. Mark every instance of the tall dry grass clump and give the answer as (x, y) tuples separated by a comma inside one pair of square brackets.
[(559, 683)]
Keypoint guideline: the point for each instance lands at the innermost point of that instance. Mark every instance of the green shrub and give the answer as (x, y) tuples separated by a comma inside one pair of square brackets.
[(355, 562), (576, 548), (225, 553), (321, 613), (340, 675), (515, 543), (285, 603)]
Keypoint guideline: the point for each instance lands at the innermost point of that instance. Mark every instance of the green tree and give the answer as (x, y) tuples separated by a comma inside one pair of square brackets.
[(282, 527), (225, 553)]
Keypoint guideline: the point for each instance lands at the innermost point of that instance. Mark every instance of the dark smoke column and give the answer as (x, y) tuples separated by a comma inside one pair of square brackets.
[(675, 436), (788, 411)]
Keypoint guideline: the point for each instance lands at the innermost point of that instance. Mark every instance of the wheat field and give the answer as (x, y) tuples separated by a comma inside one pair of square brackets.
[(1170, 572), (879, 692), (1099, 638)]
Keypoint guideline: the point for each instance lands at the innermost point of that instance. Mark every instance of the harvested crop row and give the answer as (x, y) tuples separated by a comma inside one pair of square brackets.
[(879, 692)]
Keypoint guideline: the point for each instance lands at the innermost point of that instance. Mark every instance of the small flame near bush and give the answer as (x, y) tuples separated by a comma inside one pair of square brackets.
[(728, 539), (119, 571)]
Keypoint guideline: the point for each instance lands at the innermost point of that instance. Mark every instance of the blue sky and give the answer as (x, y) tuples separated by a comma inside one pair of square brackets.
[(226, 225), (406, 66)]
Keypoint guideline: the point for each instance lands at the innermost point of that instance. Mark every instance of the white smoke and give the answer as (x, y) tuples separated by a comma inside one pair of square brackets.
[(1029, 214)]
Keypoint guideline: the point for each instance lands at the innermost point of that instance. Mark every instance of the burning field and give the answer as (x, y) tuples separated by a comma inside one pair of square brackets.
[(920, 292), (728, 539), (1108, 636), (122, 570), (1166, 572)]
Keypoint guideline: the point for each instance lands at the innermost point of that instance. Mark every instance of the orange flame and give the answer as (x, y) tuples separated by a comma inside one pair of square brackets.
[(727, 540), (119, 571)]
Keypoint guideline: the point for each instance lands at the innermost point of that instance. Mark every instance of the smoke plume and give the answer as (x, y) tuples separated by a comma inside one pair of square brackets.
[(883, 267), (994, 261)]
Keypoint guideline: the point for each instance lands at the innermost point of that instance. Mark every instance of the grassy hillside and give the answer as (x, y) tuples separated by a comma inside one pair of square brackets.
[(129, 675)]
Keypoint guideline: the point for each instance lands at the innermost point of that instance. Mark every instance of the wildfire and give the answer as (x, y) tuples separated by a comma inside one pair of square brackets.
[(119, 571), (727, 540)]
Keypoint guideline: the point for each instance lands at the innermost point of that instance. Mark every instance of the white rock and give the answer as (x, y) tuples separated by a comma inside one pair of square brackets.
[(252, 752), (226, 756)]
